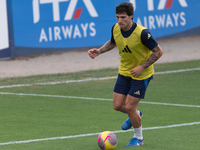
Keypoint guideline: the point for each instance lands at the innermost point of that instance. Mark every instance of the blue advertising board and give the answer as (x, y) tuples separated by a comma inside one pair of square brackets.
[(87, 23), (167, 17), (61, 23)]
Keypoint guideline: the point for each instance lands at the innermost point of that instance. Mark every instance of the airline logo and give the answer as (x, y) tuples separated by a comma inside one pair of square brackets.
[(71, 12), (4, 42), (169, 18), (163, 4)]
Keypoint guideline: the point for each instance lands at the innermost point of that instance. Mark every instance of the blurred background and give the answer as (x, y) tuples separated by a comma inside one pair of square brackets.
[(46, 26), (40, 27)]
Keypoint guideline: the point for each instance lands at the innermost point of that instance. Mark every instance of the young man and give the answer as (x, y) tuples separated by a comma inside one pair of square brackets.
[(138, 51)]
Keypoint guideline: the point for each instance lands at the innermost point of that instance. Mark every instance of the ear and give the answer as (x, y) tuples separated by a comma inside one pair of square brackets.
[(131, 17)]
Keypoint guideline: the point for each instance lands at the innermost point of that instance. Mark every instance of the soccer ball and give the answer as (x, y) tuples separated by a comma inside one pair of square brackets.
[(107, 140)]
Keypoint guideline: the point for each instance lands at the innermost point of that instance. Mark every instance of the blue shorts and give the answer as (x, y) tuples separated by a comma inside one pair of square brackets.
[(136, 88)]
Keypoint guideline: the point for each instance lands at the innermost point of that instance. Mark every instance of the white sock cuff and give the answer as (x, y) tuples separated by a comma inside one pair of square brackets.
[(138, 133)]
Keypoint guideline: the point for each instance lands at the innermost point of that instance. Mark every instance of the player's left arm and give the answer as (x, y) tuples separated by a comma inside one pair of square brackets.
[(152, 45), (156, 54), (148, 40)]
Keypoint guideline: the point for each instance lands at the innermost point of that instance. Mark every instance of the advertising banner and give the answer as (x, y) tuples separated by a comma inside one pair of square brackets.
[(5, 52), (88, 23), (167, 17)]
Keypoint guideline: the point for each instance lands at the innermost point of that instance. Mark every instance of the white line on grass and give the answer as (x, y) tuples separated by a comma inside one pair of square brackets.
[(92, 79), (53, 83), (92, 134), (177, 71), (91, 98)]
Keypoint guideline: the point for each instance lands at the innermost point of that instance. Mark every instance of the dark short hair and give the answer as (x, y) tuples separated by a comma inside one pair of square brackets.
[(125, 8)]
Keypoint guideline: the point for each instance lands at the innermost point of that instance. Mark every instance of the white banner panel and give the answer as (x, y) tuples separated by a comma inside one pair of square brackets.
[(4, 41)]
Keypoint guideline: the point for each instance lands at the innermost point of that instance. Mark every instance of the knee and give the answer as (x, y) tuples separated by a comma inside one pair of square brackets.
[(117, 107), (128, 108)]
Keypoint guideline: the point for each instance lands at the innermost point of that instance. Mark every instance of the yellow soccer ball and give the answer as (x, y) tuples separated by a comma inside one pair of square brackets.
[(107, 140)]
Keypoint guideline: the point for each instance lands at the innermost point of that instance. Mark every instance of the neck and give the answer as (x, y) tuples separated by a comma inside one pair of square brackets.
[(129, 27)]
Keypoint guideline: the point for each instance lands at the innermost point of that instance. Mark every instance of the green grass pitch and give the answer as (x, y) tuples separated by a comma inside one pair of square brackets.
[(70, 110)]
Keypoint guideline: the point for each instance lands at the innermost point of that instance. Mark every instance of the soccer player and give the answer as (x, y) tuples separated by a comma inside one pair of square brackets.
[(138, 51)]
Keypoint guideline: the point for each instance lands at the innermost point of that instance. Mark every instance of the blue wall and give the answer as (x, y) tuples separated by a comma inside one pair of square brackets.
[(39, 27)]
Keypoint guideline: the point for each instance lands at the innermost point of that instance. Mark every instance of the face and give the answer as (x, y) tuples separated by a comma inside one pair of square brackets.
[(124, 21)]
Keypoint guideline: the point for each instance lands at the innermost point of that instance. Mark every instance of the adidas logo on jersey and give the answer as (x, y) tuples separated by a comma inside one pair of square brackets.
[(126, 50), (149, 36), (137, 92)]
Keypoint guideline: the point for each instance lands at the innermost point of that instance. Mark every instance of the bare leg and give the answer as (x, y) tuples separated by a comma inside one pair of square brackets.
[(131, 104), (131, 109), (119, 102), (128, 104)]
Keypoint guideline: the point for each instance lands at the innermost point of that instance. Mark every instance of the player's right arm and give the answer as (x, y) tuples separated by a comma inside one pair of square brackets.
[(94, 52)]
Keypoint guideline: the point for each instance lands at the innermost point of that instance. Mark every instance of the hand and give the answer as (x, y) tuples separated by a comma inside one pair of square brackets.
[(93, 53), (136, 71)]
